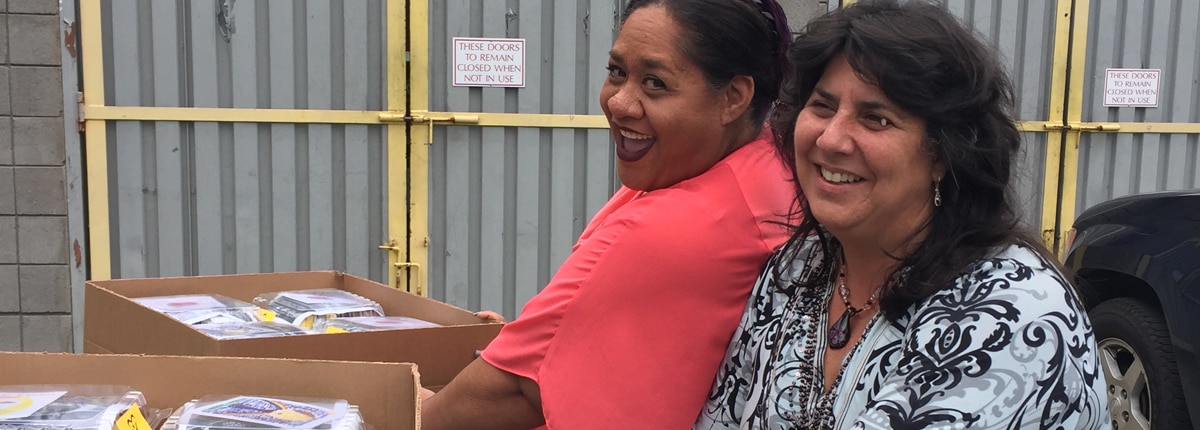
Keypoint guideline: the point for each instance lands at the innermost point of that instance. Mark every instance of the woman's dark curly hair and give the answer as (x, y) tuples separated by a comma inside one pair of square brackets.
[(928, 63)]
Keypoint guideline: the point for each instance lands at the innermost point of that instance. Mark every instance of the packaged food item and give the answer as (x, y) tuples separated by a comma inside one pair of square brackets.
[(63, 407), (241, 330), (218, 412), (308, 308), (354, 324), (203, 308)]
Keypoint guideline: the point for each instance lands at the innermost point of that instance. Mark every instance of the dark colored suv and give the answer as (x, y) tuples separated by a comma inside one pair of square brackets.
[(1137, 263)]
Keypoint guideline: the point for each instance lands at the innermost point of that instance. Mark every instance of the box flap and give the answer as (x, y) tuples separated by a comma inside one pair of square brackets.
[(242, 287)]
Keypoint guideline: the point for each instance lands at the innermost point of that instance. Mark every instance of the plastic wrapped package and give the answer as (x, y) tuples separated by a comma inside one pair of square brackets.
[(219, 412), (310, 308), (62, 407), (355, 324), (203, 308), (242, 330)]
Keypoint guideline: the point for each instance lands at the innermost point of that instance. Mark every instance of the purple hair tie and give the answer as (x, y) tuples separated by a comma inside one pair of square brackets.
[(777, 19)]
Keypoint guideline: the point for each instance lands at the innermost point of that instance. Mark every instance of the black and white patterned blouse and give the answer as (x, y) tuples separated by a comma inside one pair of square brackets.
[(1006, 346)]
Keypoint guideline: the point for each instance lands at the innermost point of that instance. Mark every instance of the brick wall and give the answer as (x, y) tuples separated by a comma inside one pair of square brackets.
[(35, 280)]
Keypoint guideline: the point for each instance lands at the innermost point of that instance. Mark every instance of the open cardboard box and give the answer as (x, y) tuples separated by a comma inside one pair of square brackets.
[(386, 393), (115, 324)]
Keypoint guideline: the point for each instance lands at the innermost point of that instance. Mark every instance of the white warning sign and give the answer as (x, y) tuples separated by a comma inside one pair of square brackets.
[(482, 62), (1131, 87)]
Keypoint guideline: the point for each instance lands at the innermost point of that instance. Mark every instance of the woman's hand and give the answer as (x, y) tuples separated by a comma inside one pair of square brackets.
[(491, 316)]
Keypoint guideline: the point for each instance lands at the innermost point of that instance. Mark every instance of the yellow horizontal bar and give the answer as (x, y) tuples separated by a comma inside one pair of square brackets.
[(1110, 127), (193, 114), (523, 120), (1041, 126), (1158, 127)]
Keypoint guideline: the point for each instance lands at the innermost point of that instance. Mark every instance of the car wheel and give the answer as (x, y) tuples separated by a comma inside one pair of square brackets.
[(1138, 361)]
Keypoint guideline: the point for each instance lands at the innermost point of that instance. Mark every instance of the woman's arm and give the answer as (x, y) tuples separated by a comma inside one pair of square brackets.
[(1010, 348), (483, 396)]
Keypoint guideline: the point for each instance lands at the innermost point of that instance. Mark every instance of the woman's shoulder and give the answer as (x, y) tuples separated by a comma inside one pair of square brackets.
[(1016, 267), (754, 174), (1014, 283)]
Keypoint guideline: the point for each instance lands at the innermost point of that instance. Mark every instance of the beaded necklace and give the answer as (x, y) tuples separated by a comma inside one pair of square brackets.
[(839, 332)]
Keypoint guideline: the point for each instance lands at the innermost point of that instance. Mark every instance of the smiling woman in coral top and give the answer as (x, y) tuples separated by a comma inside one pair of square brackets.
[(630, 330)]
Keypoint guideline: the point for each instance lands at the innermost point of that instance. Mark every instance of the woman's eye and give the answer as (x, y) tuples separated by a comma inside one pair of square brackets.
[(655, 83), (819, 106), (879, 121), (615, 71)]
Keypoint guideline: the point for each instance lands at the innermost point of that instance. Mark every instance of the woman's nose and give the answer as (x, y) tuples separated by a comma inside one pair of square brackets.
[(836, 136), (625, 103)]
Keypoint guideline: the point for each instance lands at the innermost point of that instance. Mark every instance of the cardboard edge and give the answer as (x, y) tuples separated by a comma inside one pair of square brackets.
[(158, 372), (416, 395)]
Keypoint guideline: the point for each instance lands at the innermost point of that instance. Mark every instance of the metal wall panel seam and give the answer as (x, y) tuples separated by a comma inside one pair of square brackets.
[(1054, 147), (418, 146), (281, 61), (247, 180), (566, 33), (1070, 157), (129, 53), (171, 193), (396, 74), (444, 158), (468, 155)]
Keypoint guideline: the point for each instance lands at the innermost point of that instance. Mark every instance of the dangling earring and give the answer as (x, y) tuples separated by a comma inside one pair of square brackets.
[(937, 193)]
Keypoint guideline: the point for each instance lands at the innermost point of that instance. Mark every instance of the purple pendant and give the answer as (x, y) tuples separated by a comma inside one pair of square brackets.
[(839, 333)]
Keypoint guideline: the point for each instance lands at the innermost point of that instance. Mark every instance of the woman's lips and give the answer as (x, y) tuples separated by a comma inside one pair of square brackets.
[(633, 146)]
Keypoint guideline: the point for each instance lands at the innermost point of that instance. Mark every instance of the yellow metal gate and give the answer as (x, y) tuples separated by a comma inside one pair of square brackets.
[(1078, 85), (404, 163)]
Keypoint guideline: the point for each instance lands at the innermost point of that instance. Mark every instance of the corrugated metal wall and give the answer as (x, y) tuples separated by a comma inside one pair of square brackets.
[(1141, 35), (1023, 31), (206, 198), (506, 204)]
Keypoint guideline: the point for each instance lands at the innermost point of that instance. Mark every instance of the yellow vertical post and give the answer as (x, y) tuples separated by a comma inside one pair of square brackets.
[(1054, 153), (95, 142), (421, 138), (397, 148), (1070, 156)]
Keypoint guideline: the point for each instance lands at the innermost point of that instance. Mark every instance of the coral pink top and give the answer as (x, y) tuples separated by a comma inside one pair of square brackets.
[(630, 330)]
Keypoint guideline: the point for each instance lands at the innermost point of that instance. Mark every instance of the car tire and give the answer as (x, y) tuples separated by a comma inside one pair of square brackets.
[(1138, 361)]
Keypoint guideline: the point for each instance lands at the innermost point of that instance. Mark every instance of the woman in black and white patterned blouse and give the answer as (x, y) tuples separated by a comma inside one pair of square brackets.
[(908, 298)]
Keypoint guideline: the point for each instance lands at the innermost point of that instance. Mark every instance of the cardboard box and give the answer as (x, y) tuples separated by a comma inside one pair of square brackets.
[(115, 324), (386, 393)]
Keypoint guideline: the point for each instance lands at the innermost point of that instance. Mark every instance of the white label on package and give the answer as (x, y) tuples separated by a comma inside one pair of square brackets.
[(1131, 87), (323, 299), (489, 62), (181, 303), (21, 405), (392, 322)]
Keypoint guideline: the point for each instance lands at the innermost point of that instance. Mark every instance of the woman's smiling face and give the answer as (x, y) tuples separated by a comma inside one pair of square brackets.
[(669, 124), (861, 161)]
